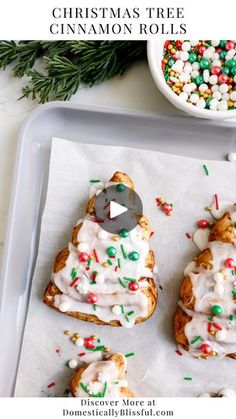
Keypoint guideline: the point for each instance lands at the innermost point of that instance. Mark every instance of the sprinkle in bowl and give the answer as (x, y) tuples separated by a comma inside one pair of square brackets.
[(198, 77)]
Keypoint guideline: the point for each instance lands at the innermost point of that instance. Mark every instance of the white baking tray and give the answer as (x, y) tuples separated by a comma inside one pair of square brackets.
[(183, 135)]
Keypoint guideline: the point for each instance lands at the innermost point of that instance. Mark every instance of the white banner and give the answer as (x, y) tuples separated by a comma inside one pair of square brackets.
[(60, 408), (106, 19)]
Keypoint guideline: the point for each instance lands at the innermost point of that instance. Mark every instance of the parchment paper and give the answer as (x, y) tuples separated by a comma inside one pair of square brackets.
[(156, 369)]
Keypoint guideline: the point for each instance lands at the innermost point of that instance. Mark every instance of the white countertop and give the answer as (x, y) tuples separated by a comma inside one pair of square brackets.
[(135, 90)]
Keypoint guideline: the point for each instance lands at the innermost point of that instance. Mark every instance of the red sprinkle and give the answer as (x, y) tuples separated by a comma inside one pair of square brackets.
[(209, 327), (74, 282), (82, 354), (51, 384), (58, 350), (152, 234), (116, 268), (217, 326), (202, 223), (95, 255), (216, 201), (188, 235), (178, 352)]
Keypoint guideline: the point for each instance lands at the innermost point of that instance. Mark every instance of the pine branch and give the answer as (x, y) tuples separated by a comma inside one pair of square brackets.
[(67, 64), (7, 53)]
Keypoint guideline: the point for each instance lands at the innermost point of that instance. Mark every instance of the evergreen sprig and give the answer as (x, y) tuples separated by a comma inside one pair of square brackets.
[(67, 64)]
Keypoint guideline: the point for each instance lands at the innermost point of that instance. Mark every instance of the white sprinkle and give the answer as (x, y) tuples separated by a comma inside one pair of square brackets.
[(63, 307), (73, 363), (220, 335), (194, 98), (184, 55), (186, 46), (208, 53), (223, 88), (194, 43), (215, 56), (215, 43), (184, 77), (203, 87), (222, 105), (201, 103), (196, 65), (188, 67), (102, 235), (79, 342), (230, 54), (183, 96), (225, 96), (213, 79), (174, 79), (216, 63), (215, 88), (195, 74), (217, 95), (178, 66), (232, 157), (233, 96), (83, 247), (206, 75), (213, 104), (116, 310)]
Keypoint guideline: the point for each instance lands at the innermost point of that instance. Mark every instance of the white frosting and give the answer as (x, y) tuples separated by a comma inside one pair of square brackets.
[(107, 286), (198, 326), (224, 206), (200, 238), (99, 376), (214, 286)]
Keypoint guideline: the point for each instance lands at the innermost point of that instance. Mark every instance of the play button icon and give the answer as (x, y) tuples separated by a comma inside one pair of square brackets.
[(117, 208)]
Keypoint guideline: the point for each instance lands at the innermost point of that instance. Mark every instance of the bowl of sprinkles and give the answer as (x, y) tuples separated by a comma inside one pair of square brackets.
[(198, 77)]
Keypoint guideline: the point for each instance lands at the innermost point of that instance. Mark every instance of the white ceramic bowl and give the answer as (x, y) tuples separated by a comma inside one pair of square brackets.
[(155, 54)]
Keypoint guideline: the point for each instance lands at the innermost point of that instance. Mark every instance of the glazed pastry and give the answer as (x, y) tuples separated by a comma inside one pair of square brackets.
[(225, 392), (96, 278), (205, 319), (102, 379)]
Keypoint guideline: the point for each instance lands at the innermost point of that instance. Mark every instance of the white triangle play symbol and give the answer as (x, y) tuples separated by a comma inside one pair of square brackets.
[(116, 209)]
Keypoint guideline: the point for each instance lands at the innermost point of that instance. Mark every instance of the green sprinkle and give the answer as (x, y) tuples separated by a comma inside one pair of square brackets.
[(92, 283), (74, 274), (94, 307), (130, 313), (206, 169), (129, 354), (210, 319), (233, 272), (123, 251), (121, 283), (98, 348), (234, 294), (188, 378), (104, 390), (122, 309), (127, 318), (66, 391), (115, 382), (84, 387), (119, 264), (89, 262), (130, 279), (94, 181), (231, 317), (109, 262), (196, 339), (98, 340)]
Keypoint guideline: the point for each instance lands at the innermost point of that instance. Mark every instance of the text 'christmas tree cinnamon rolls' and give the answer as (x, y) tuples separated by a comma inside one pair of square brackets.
[(103, 277), (205, 319)]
